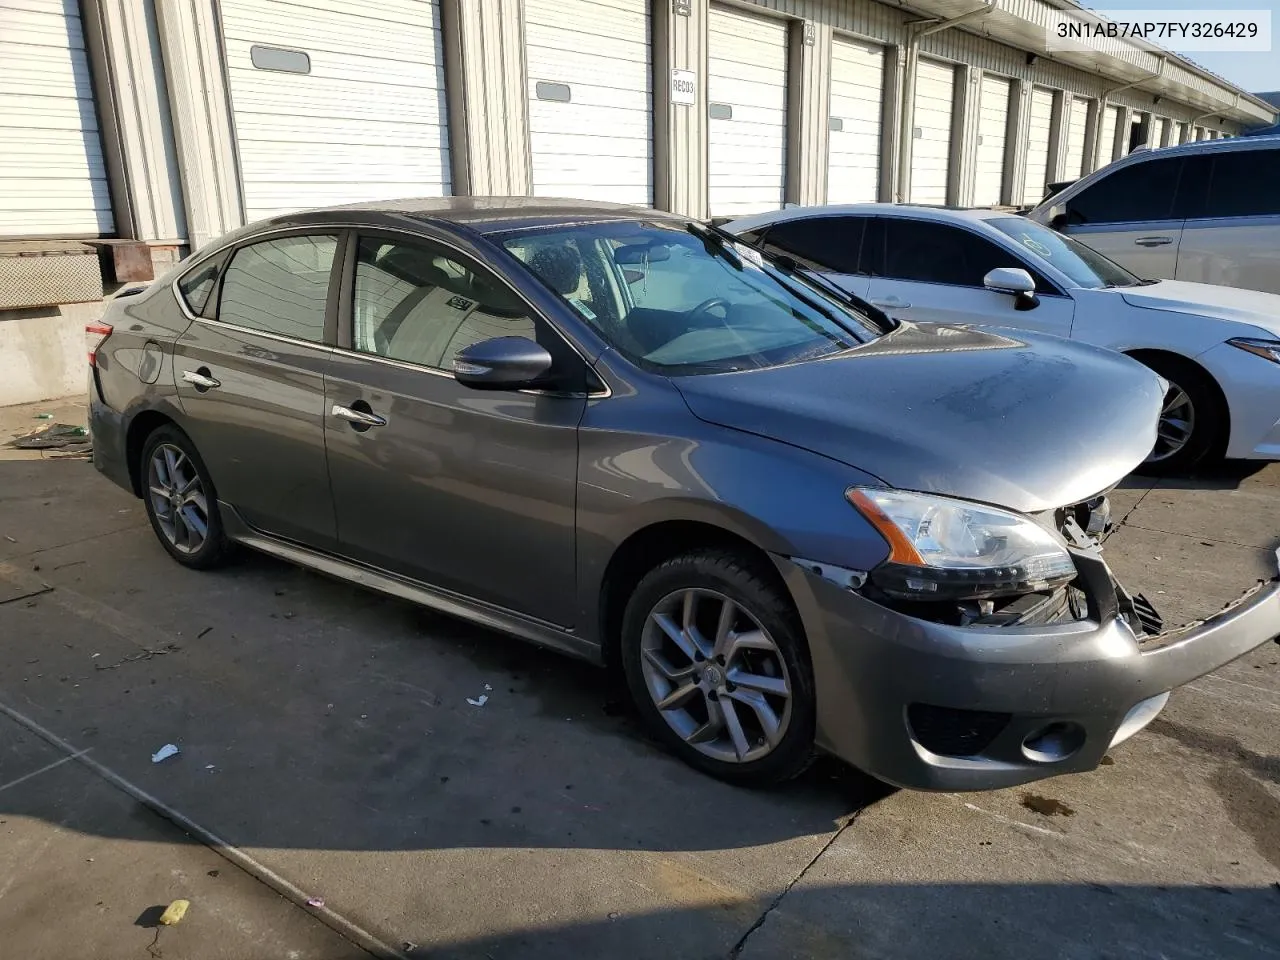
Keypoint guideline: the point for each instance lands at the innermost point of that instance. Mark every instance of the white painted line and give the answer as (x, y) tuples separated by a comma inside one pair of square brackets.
[(352, 931), (45, 769)]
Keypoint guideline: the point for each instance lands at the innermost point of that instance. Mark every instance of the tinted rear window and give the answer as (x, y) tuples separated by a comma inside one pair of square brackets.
[(1244, 183)]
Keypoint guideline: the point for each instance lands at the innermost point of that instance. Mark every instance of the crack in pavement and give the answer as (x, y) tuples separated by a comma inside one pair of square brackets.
[(738, 947)]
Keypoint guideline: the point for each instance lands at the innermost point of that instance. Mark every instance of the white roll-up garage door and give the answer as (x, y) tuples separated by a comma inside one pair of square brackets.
[(1041, 120), (747, 112), (53, 181), (993, 123), (336, 102), (590, 99), (931, 143), (1107, 138), (1077, 121), (853, 158)]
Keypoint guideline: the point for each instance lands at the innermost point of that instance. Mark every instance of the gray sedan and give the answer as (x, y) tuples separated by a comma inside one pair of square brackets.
[(789, 521)]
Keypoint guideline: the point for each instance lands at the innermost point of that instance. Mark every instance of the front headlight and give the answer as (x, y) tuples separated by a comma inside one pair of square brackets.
[(1266, 349), (941, 548)]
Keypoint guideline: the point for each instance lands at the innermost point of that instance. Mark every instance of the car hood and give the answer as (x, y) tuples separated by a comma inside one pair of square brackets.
[(1208, 300), (1025, 421)]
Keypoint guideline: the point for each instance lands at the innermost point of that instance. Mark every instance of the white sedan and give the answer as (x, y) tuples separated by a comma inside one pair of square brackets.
[(1218, 347)]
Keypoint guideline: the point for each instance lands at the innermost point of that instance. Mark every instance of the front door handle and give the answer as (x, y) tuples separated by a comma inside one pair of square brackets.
[(201, 379), (358, 418), (1154, 241), (893, 302)]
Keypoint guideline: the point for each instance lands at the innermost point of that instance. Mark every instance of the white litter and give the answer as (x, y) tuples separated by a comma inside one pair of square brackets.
[(164, 753), (208, 766), (479, 701), (487, 687)]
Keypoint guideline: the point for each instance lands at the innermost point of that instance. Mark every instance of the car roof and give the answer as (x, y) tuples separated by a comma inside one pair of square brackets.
[(482, 214), (910, 210)]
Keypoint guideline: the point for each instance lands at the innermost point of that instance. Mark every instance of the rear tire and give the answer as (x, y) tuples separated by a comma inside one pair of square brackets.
[(716, 662), (180, 500), (1193, 419)]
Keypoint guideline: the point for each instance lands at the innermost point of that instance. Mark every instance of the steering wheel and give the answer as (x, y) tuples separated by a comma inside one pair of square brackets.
[(705, 308)]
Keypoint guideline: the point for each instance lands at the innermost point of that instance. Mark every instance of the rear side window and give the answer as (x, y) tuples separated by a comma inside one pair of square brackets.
[(940, 253), (198, 284), (280, 286), (1139, 192), (822, 243), (1244, 183)]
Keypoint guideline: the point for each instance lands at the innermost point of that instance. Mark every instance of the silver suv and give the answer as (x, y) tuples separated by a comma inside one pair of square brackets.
[(1208, 212)]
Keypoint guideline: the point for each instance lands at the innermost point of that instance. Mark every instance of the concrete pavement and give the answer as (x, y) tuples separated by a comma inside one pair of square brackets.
[(326, 733)]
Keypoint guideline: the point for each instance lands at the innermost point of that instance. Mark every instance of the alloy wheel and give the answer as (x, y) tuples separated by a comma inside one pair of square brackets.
[(716, 676), (1177, 424), (178, 498)]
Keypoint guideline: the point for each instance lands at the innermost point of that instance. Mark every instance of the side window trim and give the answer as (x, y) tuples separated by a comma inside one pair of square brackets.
[(341, 237), (345, 303)]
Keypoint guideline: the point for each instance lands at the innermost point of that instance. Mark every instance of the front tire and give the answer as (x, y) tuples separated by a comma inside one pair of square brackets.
[(181, 502), (1193, 419), (717, 665)]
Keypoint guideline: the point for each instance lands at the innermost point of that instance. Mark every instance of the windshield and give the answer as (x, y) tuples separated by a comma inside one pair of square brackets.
[(1085, 266), (681, 302)]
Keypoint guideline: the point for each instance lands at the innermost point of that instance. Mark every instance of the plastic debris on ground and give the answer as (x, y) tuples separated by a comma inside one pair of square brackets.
[(479, 701), (315, 901), (165, 752), (65, 437), (174, 913)]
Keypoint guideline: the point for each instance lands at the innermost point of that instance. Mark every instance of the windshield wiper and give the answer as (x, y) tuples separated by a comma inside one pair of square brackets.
[(717, 242), (875, 314)]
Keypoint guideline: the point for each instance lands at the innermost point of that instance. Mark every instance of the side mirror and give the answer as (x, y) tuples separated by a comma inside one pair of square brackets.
[(1057, 218), (503, 363), (1016, 282)]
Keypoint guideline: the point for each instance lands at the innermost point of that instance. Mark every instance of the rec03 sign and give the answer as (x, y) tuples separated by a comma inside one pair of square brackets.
[(684, 87)]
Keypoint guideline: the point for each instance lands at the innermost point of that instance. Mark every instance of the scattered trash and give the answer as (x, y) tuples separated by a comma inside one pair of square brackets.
[(58, 436), (10, 539), (208, 766), (1046, 806), (479, 701), (92, 655), (315, 901), (174, 913), (164, 753), (203, 632), (409, 946), (487, 687), (214, 874), (88, 860), (613, 915), (43, 416), (146, 654)]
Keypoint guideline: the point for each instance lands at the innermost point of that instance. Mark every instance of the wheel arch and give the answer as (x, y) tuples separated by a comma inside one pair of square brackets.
[(650, 545), (141, 426)]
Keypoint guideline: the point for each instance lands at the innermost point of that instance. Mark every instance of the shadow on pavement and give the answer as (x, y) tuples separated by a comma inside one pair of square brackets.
[(982, 921)]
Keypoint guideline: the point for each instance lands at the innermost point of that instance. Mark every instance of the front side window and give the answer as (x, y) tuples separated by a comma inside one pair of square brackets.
[(280, 286), (418, 303), (1084, 265), (821, 243), (681, 302), (1141, 192), (928, 252), (1244, 183)]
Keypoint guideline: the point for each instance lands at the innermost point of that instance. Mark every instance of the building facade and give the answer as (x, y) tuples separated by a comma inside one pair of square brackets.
[(137, 130)]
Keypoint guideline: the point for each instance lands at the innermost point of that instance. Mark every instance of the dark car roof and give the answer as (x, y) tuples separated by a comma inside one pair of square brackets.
[(482, 214)]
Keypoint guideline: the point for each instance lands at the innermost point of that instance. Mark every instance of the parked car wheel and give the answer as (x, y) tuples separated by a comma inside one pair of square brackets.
[(717, 664), (180, 499), (1191, 420)]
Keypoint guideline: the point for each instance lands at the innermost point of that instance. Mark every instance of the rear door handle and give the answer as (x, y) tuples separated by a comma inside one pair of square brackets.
[(1154, 241), (201, 379), (358, 418)]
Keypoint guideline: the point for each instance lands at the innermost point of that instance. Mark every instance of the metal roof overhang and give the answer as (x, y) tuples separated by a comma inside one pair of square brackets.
[(1024, 24)]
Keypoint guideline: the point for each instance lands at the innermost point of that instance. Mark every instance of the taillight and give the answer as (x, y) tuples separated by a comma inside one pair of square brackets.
[(95, 335)]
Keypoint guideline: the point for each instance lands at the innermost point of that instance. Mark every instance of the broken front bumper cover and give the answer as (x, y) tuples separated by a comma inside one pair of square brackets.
[(933, 706)]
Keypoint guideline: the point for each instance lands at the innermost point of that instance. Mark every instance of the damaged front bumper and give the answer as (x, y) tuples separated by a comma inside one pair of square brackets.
[(937, 706)]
